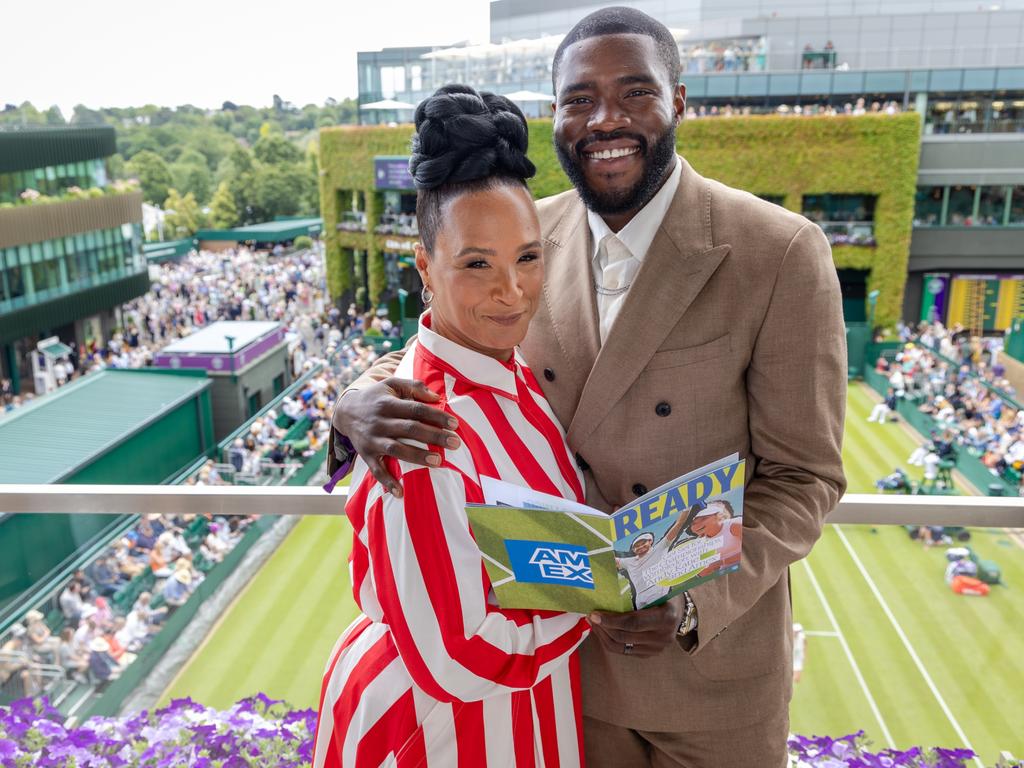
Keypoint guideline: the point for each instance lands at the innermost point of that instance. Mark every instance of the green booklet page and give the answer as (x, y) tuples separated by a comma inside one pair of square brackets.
[(545, 552)]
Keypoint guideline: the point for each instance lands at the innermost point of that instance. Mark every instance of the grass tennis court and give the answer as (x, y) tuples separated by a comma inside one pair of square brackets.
[(890, 648)]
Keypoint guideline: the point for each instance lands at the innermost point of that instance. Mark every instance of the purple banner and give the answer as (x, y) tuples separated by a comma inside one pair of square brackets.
[(221, 363), (392, 173)]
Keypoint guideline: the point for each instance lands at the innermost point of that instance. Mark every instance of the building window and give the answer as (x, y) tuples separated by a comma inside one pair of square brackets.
[(928, 206), (960, 211), (1017, 207), (845, 219), (992, 206)]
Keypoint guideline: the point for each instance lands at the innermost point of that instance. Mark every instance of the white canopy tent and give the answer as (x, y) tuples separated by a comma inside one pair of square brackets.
[(387, 104)]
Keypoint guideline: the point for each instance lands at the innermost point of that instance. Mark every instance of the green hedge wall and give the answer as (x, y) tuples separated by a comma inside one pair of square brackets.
[(766, 155)]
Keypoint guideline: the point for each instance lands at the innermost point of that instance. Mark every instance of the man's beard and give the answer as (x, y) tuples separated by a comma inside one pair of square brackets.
[(656, 162)]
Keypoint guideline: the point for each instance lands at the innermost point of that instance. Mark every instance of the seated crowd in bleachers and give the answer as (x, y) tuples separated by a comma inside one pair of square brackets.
[(857, 107), (958, 381), (107, 612)]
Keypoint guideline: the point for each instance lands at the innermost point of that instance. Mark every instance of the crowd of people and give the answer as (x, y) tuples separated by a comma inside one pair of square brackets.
[(860, 106), (102, 617), (208, 286), (958, 380), (109, 610)]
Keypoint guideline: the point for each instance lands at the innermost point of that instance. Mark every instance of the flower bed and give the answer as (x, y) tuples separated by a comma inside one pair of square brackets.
[(254, 732), (262, 733)]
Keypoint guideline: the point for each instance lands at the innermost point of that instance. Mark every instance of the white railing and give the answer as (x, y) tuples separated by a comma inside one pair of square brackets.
[(855, 508)]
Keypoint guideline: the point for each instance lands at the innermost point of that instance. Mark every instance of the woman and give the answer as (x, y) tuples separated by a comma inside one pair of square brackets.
[(433, 673)]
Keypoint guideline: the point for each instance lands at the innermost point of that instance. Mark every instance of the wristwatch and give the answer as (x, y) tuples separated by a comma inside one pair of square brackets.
[(689, 622)]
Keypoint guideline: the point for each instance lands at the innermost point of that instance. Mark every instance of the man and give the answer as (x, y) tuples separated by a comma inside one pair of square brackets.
[(682, 321)]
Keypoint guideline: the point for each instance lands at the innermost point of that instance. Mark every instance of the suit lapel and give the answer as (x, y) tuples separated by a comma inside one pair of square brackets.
[(569, 291), (681, 260)]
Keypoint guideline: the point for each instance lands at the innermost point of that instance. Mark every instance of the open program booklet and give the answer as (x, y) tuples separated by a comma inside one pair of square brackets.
[(545, 552)]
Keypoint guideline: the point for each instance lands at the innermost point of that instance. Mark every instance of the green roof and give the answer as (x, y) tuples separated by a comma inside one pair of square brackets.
[(167, 250), (267, 232), (30, 147), (57, 434)]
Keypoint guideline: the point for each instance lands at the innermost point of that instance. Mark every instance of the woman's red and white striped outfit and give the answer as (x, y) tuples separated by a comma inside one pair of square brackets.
[(432, 673)]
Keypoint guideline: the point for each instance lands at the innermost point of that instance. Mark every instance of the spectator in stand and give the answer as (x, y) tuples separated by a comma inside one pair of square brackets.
[(102, 665), (17, 663), (71, 602), (177, 589), (41, 641), (149, 615), (144, 536), (128, 566), (75, 663), (87, 629), (105, 576), (160, 561), (118, 651)]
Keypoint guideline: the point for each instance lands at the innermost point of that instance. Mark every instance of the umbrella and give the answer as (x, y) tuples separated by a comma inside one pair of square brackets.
[(528, 96), (388, 104)]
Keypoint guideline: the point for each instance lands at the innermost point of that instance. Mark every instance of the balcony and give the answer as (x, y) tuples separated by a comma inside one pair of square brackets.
[(849, 232), (878, 640), (352, 221), (398, 224), (36, 223)]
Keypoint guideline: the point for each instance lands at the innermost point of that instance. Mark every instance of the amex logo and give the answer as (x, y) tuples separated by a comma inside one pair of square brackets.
[(549, 562)]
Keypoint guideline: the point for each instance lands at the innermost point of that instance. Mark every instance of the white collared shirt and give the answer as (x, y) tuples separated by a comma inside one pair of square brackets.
[(637, 237)]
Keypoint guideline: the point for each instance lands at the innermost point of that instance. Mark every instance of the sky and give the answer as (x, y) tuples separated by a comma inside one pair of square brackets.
[(118, 53)]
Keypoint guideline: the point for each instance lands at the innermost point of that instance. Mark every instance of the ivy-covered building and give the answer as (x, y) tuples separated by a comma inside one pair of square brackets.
[(956, 63), (70, 246), (855, 175)]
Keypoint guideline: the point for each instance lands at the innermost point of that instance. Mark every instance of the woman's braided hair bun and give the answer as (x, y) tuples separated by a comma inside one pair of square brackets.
[(462, 136)]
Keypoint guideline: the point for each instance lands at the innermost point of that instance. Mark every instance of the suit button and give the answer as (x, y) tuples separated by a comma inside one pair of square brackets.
[(663, 409), (549, 374), (581, 463), (639, 489)]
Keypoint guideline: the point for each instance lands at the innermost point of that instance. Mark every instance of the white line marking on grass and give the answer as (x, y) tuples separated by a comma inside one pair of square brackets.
[(811, 633), (494, 562), (906, 644), (849, 656), (590, 528)]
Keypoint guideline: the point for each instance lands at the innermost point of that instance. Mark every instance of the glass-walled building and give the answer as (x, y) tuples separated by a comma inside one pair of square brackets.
[(70, 246)]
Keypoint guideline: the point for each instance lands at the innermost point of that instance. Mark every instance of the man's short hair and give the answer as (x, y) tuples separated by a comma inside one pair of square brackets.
[(619, 20)]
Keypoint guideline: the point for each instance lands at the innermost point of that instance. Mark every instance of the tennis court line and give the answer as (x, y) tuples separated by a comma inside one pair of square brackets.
[(811, 633), (906, 643), (849, 656)]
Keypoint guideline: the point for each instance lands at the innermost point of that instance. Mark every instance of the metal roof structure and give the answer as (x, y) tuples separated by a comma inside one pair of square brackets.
[(167, 250), (212, 339), (267, 232), (226, 346), (52, 437)]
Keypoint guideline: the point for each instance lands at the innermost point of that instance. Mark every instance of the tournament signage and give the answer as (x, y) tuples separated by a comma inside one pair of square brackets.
[(392, 172)]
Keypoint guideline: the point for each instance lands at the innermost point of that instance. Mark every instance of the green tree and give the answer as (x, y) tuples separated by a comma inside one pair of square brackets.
[(223, 212), (238, 170), (191, 174), (183, 217), (54, 116), (275, 149), (153, 174), (117, 168), (278, 191)]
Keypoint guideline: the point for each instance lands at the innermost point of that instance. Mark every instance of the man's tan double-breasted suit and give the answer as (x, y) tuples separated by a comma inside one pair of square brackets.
[(731, 339)]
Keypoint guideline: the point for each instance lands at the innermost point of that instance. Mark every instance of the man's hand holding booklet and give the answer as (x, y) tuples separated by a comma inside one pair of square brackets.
[(545, 552)]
